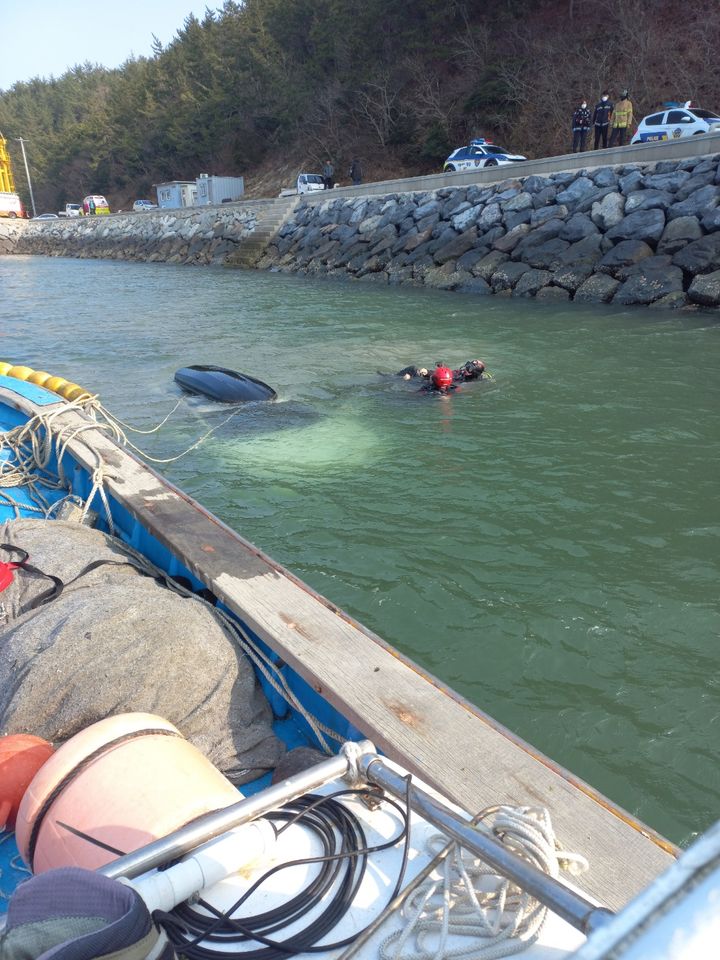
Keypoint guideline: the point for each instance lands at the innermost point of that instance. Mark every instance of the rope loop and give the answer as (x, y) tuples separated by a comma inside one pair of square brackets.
[(465, 910)]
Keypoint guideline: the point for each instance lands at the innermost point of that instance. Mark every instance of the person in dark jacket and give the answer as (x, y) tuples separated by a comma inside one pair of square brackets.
[(355, 172), (580, 125), (410, 373), (327, 174), (601, 119)]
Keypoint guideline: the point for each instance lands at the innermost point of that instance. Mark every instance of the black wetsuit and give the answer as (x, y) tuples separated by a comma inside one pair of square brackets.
[(463, 374), (411, 372)]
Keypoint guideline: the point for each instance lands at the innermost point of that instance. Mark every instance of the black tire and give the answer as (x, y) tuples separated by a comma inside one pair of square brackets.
[(698, 133), (12, 215), (450, 168), (491, 163)]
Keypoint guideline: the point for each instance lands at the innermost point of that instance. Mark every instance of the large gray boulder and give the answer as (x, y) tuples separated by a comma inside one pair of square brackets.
[(649, 282), (491, 215), (678, 233), (625, 254), (507, 275), (697, 204), (487, 266), (700, 256), (647, 225), (609, 211), (576, 190), (599, 288), (521, 201), (512, 238), (648, 200), (671, 181), (570, 278), (531, 282), (705, 289), (577, 228), (456, 247)]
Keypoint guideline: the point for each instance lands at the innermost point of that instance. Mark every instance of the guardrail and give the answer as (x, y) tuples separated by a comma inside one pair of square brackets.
[(681, 149)]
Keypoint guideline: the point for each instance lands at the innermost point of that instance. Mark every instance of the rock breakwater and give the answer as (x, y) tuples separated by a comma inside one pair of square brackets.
[(194, 236), (633, 234)]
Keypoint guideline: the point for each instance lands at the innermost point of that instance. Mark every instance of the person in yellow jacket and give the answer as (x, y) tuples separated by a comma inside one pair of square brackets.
[(622, 120)]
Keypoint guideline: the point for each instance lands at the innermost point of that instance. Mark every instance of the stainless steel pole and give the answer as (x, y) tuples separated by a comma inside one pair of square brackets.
[(27, 174), (571, 906), (184, 840)]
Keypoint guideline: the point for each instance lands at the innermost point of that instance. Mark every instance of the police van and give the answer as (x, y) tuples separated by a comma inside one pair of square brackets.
[(479, 153)]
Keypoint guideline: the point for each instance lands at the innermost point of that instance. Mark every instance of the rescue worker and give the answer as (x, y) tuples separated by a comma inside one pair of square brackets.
[(601, 119), (409, 373), (472, 370), (622, 120), (580, 125), (441, 380)]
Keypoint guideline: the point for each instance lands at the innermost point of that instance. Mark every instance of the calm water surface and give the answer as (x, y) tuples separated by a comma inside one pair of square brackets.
[(547, 543)]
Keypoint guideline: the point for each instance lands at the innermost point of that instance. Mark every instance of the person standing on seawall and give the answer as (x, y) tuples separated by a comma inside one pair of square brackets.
[(580, 125), (622, 120), (355, 172), (601, 119), (327, 174)]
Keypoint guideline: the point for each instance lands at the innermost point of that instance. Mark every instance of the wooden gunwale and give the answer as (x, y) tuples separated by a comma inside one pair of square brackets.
[(410, 715)]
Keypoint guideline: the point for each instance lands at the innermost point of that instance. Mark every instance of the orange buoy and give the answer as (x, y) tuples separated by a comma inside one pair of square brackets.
[(112, 788), (21, 756)]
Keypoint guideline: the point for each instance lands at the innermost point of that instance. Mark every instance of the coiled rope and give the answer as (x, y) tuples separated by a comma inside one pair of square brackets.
[(467, 911)]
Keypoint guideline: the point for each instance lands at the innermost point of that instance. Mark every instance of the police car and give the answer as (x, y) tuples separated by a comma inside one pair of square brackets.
[(479, 153), (676, 121)]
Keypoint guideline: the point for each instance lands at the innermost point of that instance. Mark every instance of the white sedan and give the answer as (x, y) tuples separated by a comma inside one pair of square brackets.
[(676, 122)]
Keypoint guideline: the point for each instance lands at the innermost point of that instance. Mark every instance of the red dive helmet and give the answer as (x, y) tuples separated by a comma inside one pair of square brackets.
[(442, 377)]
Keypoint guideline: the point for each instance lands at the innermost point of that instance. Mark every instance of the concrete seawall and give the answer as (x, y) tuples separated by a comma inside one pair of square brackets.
[(629, 234)]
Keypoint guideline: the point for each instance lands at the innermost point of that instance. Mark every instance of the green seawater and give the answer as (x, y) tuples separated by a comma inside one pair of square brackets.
[(546, 543)]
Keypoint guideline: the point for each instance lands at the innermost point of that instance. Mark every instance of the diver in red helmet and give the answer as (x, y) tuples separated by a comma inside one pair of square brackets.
[(441, 380)]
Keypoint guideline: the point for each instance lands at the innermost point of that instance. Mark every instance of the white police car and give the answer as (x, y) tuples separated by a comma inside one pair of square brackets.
[(479, 153), (676, 121)]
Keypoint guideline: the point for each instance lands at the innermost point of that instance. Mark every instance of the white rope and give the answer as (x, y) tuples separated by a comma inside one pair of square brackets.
[(29, 450), (466, 911)]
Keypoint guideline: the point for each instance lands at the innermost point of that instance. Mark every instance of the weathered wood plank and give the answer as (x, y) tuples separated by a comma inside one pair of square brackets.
[(407, 713)]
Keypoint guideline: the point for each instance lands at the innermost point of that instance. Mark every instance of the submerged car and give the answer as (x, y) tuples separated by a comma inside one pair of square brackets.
[(676, 121), (140, 205), (479, 153)]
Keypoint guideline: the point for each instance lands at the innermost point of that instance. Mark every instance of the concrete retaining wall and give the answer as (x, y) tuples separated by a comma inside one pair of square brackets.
[(631, 234)]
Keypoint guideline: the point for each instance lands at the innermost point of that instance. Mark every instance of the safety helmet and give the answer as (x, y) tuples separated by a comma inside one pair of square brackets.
[(442, 377)]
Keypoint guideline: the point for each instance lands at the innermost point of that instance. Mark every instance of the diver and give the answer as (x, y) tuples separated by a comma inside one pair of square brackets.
[(441, 380), (410, 373), (472, 370)]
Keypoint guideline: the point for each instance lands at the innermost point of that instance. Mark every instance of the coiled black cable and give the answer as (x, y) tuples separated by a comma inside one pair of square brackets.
[(342, 866)]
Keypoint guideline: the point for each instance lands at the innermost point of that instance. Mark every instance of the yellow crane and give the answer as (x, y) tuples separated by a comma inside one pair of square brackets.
[(10, 205)]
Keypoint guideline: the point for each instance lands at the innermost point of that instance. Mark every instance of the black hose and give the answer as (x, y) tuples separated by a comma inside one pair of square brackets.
[(342, 867)]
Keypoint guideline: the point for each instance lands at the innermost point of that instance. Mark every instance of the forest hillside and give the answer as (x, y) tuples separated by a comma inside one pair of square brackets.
[(264, 88)]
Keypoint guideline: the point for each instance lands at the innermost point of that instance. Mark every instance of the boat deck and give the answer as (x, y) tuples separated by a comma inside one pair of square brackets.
[(408, 714)]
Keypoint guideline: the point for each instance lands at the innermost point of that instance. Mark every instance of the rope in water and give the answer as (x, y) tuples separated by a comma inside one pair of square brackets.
[(466, 911)]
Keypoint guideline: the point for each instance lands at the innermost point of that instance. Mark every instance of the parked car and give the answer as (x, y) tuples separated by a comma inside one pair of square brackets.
[(676, 121), (479, 153), (46, 216), (143, 205), (305, 183)]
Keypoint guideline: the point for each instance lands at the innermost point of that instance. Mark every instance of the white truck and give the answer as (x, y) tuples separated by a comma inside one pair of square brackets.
[(10, 205), (305, 183), (71, 210)]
